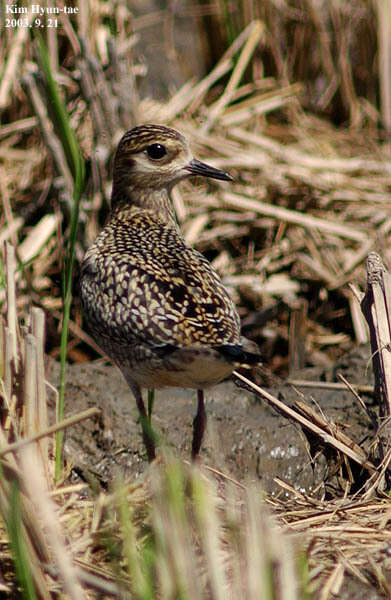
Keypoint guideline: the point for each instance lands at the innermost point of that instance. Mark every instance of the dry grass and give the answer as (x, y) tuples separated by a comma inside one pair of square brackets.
[(310, 202)]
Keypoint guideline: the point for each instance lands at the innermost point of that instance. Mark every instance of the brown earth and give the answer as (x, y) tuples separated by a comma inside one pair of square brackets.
[(245, 437)]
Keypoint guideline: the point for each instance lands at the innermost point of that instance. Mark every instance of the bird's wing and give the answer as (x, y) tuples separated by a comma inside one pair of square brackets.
[(157, 292)]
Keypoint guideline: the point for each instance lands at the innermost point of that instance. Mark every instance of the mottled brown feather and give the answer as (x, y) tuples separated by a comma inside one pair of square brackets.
[(143, 288)]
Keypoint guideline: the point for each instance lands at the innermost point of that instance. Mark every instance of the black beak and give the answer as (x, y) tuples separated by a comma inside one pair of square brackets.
[(196, 167)]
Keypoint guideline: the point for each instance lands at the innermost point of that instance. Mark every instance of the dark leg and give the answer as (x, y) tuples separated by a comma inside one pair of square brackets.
[(148, 434), (151, 400), (199, 425)]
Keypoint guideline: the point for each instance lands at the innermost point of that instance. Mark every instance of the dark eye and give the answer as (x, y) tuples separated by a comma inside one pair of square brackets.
[(156, 151)]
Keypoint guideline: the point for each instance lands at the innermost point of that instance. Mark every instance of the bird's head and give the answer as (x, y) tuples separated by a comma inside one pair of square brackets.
[(156, 157)]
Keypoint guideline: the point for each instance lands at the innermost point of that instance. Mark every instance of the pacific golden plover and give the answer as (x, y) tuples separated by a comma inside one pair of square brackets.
[(156, 306)]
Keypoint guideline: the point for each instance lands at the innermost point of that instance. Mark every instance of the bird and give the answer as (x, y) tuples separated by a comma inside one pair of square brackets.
[(153, 304)]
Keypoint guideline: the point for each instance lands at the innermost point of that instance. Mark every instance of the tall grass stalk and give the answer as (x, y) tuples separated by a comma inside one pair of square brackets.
[(18, 547), (137, 559), (76, 164)]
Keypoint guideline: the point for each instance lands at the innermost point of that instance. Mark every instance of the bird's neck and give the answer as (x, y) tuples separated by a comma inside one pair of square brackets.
[(156, 202)]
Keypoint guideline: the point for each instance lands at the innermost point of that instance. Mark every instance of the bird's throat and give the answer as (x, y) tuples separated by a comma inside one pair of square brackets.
[(156, 202)]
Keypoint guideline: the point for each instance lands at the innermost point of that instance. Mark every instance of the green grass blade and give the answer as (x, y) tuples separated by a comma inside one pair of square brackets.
[(76, 164), (139, 561), (18, 548)]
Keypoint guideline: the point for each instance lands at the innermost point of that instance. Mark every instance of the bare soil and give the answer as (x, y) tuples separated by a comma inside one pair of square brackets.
[(245, 437)]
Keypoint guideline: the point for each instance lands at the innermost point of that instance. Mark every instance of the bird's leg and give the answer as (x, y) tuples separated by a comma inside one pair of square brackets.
[(147, 431), (151, 400), (199, 424)]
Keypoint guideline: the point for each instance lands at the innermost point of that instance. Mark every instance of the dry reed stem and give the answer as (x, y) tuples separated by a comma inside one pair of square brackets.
[(384, 40), (38, 237), (254, 35), (68, 422), (10, 263), (315, 425), (51, 140), (24, 413), (38, 333), (34, 479), (355, 389), (12, 66), (330, 385), (283, 214), (376, 306)]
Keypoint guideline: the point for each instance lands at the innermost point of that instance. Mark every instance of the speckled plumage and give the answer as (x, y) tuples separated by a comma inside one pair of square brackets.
[(155, 305)]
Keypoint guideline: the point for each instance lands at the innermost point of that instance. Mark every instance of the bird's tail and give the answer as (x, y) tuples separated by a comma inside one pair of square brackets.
[(238, 355)]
